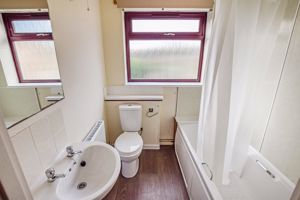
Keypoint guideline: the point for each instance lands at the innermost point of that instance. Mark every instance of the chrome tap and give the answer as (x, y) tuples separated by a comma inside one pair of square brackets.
[(51, 176), (71, 152)]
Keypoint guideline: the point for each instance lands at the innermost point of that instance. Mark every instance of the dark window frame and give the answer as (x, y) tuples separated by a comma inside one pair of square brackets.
[(12, 37), (129, 35)]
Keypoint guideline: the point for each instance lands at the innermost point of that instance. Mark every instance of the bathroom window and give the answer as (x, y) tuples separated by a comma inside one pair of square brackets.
[(164, 46), (32, 47)]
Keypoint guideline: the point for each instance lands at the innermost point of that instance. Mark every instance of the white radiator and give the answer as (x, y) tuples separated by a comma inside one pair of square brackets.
[(97, 133)]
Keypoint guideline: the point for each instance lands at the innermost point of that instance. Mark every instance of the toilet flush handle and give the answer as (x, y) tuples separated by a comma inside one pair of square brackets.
[(141, 131)]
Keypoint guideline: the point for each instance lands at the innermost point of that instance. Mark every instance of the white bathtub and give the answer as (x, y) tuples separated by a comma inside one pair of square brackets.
[(254, 183), (196, 180)]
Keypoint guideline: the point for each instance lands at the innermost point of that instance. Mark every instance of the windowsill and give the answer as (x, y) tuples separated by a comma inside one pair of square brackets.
[(31, 85), (166, 84), (134, 98)]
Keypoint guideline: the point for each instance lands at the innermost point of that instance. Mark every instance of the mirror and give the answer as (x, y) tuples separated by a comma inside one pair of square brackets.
[(29, 73)]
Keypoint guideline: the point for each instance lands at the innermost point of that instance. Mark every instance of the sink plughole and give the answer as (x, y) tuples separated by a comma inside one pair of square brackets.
[(94, 174)]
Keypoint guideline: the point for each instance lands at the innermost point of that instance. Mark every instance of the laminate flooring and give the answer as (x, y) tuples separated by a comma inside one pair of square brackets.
[(159, 178)]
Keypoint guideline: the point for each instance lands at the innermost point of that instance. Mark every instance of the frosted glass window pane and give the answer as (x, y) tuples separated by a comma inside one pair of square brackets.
[(165, 25), (37, 59), (164, 59), (32, 26)]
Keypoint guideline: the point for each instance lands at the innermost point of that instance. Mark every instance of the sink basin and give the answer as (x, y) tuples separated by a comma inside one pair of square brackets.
[(96, 170)]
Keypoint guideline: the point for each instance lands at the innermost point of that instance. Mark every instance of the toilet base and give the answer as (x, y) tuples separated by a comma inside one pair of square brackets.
[(130, 169)]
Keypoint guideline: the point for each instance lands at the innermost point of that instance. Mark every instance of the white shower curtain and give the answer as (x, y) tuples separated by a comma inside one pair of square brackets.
[(247, 44)]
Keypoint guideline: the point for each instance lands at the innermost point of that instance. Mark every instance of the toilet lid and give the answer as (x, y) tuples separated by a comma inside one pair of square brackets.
[(129, 143)]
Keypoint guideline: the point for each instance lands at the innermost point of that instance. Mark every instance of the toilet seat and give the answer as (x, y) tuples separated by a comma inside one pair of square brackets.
[(129, 144)]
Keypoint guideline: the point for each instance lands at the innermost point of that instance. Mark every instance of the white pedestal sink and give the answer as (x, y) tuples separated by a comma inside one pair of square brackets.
[(96, 170)]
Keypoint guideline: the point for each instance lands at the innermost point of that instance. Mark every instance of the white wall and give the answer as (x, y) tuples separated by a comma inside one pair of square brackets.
[(2, 76), (282, 139), (168, 112), (113, 43), (78, 40), (276, 124)]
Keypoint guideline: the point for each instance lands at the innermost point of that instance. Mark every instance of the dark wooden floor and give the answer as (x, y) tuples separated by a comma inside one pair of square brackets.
[(158, 178)]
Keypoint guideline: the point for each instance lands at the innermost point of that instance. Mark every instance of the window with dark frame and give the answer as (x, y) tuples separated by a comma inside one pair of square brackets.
[(164, 46), (32, 46)]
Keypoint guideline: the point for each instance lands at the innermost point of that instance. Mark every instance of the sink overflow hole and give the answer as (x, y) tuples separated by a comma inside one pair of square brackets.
[(83, 163), (81, 185)]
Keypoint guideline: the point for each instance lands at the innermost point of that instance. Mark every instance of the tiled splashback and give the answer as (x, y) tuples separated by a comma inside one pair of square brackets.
[(188, 102), (37, 145)]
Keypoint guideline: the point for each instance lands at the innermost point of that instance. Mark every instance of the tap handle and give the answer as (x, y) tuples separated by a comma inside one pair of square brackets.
[(69, 149), (50, 173)]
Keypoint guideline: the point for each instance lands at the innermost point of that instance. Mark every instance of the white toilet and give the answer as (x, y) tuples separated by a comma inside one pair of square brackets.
[(130, 144)]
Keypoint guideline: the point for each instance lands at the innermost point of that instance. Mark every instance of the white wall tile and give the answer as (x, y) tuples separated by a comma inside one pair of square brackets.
[(39, 144), (44, 141), (41, 131), (188, 102), (27, 155), (47, 153), (56, 121), (61, 140)]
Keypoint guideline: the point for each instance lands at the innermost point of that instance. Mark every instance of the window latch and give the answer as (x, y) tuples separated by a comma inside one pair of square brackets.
[(169, 34), (42, 34)]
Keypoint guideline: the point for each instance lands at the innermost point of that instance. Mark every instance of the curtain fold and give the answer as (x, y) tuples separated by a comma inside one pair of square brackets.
[(247, 52)]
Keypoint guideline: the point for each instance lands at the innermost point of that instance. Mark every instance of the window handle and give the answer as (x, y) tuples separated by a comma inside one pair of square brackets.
[(169, 34), (42, 34)]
